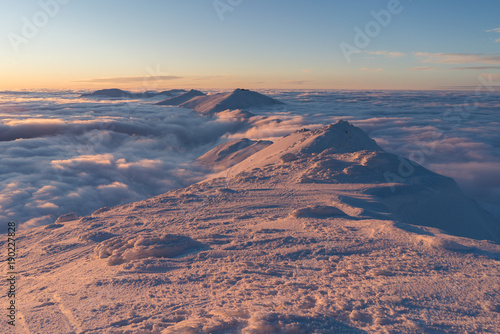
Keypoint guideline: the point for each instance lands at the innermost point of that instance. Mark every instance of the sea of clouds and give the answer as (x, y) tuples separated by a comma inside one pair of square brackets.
[(60, 153)]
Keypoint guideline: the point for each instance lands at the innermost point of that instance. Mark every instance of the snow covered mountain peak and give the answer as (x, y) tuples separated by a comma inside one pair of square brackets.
[(238, 99), (341, 137), (341, 155)]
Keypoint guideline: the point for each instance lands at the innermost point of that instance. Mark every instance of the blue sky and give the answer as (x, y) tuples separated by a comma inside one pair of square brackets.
[(287, 44)]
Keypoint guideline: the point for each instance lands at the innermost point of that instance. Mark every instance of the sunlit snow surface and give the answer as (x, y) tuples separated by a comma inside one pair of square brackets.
[(304, 236), (60, 153)]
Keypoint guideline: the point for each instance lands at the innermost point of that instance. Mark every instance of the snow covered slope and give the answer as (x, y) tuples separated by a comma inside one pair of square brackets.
[(175, 101), (230, 153), (305, 236), (238, 99)]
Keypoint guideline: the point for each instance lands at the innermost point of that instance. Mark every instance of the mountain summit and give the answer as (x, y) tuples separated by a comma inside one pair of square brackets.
[(175, 101), (320, 232), (342, 154), (339, 138), (115, 93)]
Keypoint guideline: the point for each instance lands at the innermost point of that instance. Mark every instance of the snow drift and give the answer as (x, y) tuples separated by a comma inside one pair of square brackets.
[(310, 234), (119, 250)]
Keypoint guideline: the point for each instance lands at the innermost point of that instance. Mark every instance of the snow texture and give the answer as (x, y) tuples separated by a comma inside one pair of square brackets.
[(120, 250), (60, 153), (342, 153), (261, 249)]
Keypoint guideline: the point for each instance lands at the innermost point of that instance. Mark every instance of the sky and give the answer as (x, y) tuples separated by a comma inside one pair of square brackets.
[(256, 44)]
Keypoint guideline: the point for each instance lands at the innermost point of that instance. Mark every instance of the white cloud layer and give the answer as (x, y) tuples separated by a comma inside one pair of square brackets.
[(389, 54), (61, 154)]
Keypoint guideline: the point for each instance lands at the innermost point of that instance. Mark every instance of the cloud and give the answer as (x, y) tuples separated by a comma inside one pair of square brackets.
[(468, 88), (481, 68), (99, 160), (458, 58), (422, 69), (18, 129), (295, 82), (271, 128), (493, 30), (389, 54), (34, 222), (121, 80), (47, 205)]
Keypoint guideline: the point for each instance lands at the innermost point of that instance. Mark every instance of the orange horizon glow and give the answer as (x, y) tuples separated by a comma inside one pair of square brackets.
[(149, 83)]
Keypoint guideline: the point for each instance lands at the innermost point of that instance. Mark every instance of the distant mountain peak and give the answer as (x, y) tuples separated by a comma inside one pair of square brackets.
[(341, 137), (182, 98), (214, 103), (115, 93)]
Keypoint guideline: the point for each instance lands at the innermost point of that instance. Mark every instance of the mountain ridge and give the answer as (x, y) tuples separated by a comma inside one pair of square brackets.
[(304, 236), (119, 93)]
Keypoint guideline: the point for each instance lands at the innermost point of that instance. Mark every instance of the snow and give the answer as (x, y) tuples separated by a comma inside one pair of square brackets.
[(120, 250), (230, 153), (180, 99), (238, 99), (281, 242), (118, 93)]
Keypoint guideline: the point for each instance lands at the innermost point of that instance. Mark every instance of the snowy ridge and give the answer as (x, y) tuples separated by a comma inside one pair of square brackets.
[(238, 99), (119, 93), (230, 153), (304, 236), (180, 99), (343, 154)]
